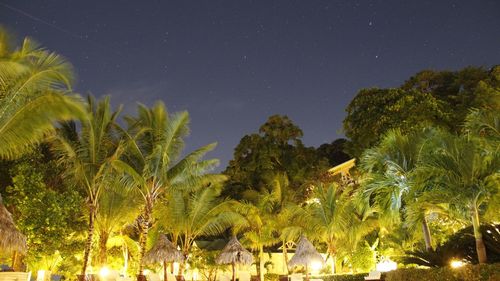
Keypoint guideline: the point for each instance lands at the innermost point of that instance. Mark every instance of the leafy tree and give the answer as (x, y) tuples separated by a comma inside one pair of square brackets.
[(334, 152), (375, 111), (276, 149), (437, 98), (33, 94), (47, 211), (87, 155), (152, 162)]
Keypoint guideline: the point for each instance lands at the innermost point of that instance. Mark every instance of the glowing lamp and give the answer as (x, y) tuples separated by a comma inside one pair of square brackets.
[(104, 272), (40, 275), (316, 266), (456, 263), (386, 265)]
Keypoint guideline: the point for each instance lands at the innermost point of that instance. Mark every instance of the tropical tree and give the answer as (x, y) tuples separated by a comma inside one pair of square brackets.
[(87, 155), (189, 215), (152, 163), (34, 84), (117, 207), (467, 174), (338, 219), (392, 177)]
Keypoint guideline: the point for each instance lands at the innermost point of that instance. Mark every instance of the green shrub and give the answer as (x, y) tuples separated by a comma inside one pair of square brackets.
[(486, 272)]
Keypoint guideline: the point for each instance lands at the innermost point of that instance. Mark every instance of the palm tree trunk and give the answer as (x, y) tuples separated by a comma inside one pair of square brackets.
[(165, 271), (307, 273), (480, 248), (103, 250), (234, 276), (261, 263), (90, 237), (285, 257), (146, 216), (427, 235)]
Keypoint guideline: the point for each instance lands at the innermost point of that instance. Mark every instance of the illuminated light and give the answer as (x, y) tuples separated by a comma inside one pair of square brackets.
[(176, 268), (104, 272), (40, 275), (146, 272), (316, 266), (456, 263), (195, 274), (386, 265)]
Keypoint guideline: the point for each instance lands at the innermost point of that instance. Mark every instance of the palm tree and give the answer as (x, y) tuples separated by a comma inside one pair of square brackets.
[(33, 94), (189, 215), (467, 173), (87, 156), (392, 178), (117, 207), (152, 163)]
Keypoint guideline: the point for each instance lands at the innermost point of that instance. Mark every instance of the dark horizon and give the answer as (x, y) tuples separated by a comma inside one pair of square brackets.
[(232, 64)]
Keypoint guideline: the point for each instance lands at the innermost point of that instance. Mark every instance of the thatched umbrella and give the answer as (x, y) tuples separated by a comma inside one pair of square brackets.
[(305, 254), (164, 252), (10, 237), (234, 253)]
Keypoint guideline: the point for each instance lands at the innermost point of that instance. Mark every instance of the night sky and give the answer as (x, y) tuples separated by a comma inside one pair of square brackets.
[(233, 63)]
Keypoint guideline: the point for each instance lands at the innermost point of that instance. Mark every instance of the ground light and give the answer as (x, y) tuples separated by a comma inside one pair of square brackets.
[(386, 265), (40, 275), (104, 272), (456, 263), (316, 266)]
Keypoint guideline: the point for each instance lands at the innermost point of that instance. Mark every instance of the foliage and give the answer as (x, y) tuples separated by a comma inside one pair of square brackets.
[(48, 212), (460, 246), (466, 175), (33, 94), (438, 98), (334, 152), (153, 162), (204, 261), (483, 272), (342, 277), (276, 149), (364, 258), (86, 156)]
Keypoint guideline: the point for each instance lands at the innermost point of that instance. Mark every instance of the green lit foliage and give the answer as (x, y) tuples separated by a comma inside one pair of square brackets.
[(153, 162), (34, 84), (48, 212)]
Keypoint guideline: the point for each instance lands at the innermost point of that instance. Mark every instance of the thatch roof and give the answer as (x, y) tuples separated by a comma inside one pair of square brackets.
[(234, 252), (305, 254), (163, 251), (10, 238)]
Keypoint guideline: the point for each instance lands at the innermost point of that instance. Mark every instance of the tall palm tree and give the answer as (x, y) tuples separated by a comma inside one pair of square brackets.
[(153, 164), (87, 156), (189, 215), (34, 84), (468, 173), (392, 178)]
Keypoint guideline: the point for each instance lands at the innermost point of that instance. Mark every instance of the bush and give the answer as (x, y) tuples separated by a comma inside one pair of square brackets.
[(486, 272), (342, 277), (271, 277), (460, 246)]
